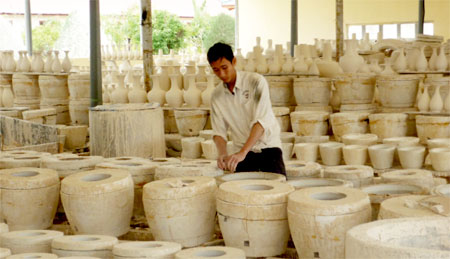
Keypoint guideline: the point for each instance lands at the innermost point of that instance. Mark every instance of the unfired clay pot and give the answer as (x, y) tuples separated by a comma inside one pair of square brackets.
[(440, 159), (405, 206), (29, 241), (354, 154), (418, 177), (399, 238), (267, 230), (348, 122), (181, 209), (145, 249), (109, 196), (309, 123), (359, 175), (381, 156), (29, 197), (300, 169), (318, 182), (84, 246), (306, 152), (211, 252), (309, 211), (331, 153), (412, 156)]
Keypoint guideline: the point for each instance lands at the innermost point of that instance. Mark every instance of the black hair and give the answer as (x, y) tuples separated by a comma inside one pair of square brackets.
[(220, 50)]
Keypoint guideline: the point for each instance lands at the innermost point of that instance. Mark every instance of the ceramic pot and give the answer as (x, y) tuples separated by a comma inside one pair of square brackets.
[(412, 156), (440, 158), (306, 152), (354, 154), (156, 94), (381, 156), (174, 97), (331, 153)]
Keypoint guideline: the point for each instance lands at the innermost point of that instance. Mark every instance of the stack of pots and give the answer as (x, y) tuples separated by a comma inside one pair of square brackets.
[(79, 90), (348, 122), (26, 91), (260, 206), (55, 94)]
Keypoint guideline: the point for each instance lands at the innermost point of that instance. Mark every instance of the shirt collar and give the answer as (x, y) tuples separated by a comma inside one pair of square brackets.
[(237, 85)]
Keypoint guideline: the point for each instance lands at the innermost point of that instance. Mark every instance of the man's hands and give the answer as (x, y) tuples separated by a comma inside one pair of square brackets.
[(230, 163)]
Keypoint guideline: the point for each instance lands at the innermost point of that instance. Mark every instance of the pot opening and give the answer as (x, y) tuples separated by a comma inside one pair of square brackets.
[(328, 196)]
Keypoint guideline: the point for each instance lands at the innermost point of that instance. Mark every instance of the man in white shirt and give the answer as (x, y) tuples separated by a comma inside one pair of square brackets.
[(242, 105)]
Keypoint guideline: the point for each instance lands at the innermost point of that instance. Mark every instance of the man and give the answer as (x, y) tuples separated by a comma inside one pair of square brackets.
[(242, 105)]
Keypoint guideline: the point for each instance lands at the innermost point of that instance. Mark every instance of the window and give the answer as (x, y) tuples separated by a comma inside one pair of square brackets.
[(372, 30), (408, 30), (389, 31), (355, 29), (428, 28)]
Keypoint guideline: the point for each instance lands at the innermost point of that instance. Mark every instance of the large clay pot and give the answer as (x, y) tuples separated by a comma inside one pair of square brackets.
[(359, 175), (429, 127), (29, 197), (267, 230), (181, 209), (388, 125), (280, 90), (381, 156), (174, 97), (348, 122), (355, 89), (308, 211), (192, 96), (190, 122), (310, 90), (398, 91), (309, 123), (107, 193), (29, 241), (396, 238)]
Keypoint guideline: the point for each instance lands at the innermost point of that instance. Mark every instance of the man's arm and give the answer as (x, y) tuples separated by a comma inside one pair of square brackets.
[(255, 134), (221, 145)]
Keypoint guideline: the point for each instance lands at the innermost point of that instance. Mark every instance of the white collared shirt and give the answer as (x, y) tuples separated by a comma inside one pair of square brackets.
[(239, 111)]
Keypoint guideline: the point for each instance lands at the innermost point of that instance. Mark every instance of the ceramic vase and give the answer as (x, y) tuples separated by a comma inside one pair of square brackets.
[(156, 94), (313, 69), (66, 65), (424, 101), (137, 93), (10, 63), (269, 50), (56, 65), (288, 66), (192, 97), (432, 61), (120, 93), (240, 61), (262, 66), (174, 97), (436, 104), (351, 61), (7, 97), (447, 103), (421, 61), (387, 68), (300, 65), (206, 95), (37, 63), (374, 67), (250, 66), (400, 63), (48, 62), (441, 60)]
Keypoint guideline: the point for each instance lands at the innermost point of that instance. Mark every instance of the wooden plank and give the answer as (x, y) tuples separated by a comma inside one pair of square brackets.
[(19, 133)]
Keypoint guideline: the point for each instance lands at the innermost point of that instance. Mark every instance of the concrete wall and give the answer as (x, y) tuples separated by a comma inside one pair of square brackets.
[(270, 19)]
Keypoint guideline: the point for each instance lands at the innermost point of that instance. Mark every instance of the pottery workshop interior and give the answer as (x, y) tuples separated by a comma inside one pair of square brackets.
[(224, 129)]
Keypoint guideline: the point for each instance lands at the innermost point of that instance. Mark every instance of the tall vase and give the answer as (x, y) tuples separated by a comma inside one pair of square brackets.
[(250, 66), (174, 97), (240, 61), (313, 69), (400, 63), (201, 73), (156, 95), (269, 50), (424, 101), (192, 97), (387, 68), (164, 79), (56, 65), (66, 65), (37, 64), (374, 67), (262, 66), (7, 97), (299, 65), (441, 60), (288, 66), (274, 66), (10, 63), (137, 94), (120, 93), (48, 62), (19, 61), (432, 61), (436, 104), (447, 102), (206, 95), (421, 61)]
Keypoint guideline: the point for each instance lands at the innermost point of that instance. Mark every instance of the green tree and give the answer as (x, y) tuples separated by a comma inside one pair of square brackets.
[(45, 36), (168, 31), (198, 26), (221, 29), (124, 28)]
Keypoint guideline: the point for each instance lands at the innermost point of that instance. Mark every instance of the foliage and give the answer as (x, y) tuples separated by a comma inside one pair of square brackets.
[(197, 28), (221, 29), (124, 28), (45, 35), (168, 31)]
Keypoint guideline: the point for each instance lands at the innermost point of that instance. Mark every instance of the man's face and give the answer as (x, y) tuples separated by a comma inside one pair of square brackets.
[(224, 69)]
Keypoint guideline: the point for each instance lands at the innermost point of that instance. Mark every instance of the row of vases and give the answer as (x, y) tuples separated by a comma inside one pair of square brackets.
[(51, 65), (175, 97), (435, 103), (113, 52), (415, 60)]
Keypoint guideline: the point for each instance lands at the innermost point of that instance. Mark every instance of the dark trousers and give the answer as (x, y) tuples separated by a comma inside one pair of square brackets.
[(268, 160)]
